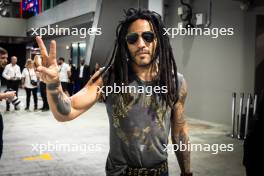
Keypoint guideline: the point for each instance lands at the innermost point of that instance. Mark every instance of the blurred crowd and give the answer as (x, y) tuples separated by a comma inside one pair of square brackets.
[(72, 79)]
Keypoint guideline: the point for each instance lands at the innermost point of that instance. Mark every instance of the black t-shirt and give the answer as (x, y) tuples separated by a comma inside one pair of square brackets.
[(139, 129)]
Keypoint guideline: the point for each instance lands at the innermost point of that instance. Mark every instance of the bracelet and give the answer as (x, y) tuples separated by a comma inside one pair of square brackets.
[(53, 86), (187, 174)]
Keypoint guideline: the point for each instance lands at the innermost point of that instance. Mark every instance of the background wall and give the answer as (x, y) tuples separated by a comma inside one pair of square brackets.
[(13, 27), (64, 11), (214, 68)]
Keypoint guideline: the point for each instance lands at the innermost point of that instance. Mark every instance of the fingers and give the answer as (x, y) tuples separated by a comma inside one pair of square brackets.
[(43, 49), (97, 73), (53, 73), (52, 55), (97, 77)]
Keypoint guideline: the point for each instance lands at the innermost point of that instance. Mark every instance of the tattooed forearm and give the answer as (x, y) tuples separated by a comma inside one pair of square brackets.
[(62, 102), (183, 157), (180, 130)]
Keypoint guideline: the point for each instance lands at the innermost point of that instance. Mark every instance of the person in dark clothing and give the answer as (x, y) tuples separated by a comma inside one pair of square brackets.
[(73, 78), (83, 73), (140, 120), (7, 95), (43, 95), (252, 147), (3, 62)]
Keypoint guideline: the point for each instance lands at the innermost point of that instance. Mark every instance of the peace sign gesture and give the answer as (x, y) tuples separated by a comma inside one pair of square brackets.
[(48, 69)]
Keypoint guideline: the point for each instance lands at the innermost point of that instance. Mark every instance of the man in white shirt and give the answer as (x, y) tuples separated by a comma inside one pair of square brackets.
[(13, 76), (65, 73)]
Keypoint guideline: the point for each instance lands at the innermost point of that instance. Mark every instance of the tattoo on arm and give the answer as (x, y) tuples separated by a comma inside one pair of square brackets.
[(180, 131), (183, 157), (63, 103)]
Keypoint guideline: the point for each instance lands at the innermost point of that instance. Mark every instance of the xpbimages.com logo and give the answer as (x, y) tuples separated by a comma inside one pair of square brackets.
[(65, 31)]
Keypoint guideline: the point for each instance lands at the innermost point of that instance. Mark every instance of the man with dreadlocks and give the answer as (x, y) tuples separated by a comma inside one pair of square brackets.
[(139, 123)]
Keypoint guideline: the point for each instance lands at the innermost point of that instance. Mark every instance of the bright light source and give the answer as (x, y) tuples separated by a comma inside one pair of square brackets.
[(82, 45)]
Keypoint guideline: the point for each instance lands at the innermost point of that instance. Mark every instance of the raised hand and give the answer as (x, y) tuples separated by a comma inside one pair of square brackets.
[(49, 71)]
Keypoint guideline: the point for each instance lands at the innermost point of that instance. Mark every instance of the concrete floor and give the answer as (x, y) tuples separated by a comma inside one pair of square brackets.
[(25, 130)]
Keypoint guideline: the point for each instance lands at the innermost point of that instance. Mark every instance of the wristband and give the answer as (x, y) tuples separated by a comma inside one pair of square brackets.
[(53, 86), (187, 174)]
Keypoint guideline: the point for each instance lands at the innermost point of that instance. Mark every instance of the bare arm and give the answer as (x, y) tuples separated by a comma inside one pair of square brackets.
[(179, 131), (64, 108), (69, 73)]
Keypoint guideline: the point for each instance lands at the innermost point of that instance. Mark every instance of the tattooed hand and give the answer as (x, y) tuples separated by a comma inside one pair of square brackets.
[(59, 103), (64, 108), (48, 68)]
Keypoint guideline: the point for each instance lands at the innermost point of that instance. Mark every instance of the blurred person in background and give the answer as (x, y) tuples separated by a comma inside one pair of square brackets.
[(65, 73), (12, 74), (29, 82), (72, 78), (83, 73), (3, 61), (6, 95)]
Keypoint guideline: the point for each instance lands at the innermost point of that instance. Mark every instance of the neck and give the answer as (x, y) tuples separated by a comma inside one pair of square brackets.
[(145, 73), (13, 64)]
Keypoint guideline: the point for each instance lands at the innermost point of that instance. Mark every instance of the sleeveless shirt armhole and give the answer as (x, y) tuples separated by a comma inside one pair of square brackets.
[(180, 81)]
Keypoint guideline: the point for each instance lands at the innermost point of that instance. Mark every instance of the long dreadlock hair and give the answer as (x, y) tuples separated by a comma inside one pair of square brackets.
[(119, 65)]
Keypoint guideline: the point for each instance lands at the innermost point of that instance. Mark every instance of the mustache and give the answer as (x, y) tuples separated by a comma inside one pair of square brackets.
[(142, 51)]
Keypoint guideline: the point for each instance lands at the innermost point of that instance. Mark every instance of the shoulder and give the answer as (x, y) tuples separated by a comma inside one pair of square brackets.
[(181, 80), (180, 77), (7, 66), (67, 66)]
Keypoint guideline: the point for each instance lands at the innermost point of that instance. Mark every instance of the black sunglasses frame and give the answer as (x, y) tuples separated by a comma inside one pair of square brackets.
[(135, 36)]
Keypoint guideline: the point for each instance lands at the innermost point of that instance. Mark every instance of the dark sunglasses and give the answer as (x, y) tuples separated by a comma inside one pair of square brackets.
[(132, 38)]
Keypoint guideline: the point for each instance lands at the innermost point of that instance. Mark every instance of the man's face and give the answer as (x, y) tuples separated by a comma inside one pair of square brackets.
[(141, 51), (3, 56), (3, 60), (60, 62), (13, 60)]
